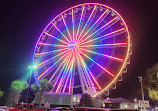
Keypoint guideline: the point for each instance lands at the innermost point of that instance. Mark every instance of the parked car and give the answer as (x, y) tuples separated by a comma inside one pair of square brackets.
[(61, 109), (89, 109), (123, 110), (24, 107)]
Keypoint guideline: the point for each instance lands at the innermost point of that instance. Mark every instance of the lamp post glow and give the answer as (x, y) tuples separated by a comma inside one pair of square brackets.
[(30, 67)]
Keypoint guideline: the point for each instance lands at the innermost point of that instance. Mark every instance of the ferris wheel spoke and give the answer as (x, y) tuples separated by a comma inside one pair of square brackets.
[(67, 66), (58, 77), (73, 28), (61, 70), (96, 22), (103, 28), (70, 84), (85, 74), (87, 22), (61, 32), (67, 78), (83, 81), (50, 52), (71, 70), (97, 64), (111, 57), (49, 60), (78, 29), (59, 74), (105, 45), (48, 73), (50, 67), (52, 45), (61, 64), (55, 38), (66, 28), (63, 80), (106, 36), (85, 66)]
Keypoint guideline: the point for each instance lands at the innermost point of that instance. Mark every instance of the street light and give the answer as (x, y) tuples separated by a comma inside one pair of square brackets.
[(141, 84), (34, 66), (30, 67)]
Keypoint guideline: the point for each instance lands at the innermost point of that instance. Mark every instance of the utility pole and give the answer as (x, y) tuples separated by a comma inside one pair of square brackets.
[(28, 88), (141, 84)]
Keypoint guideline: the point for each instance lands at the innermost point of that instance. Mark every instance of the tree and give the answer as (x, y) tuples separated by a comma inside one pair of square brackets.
[(18, 86), (1, 93), (152, 76), (150, 82), (153, 94), (85, 101), (43, 86)]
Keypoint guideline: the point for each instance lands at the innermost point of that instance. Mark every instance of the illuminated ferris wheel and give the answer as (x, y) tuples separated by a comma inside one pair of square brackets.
[(83, 50)]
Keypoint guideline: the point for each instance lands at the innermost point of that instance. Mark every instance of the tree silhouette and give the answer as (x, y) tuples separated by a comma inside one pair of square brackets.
[(85, 101), (150, 82), (44, 86), (18, 86)]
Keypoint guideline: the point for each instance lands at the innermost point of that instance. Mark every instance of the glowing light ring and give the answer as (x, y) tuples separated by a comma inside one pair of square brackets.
[(85, 48)]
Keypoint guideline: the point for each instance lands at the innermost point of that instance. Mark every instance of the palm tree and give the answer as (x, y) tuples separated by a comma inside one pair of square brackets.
[(18, 86), (43, 86), (1, 93)]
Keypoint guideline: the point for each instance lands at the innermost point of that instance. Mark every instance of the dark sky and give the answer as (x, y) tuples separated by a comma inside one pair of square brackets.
[(22, 21)]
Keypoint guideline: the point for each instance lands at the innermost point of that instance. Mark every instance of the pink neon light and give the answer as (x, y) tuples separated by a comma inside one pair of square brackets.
[(51, 51), (116, 44), (98, 64), (73, 24), (89, 71), (48, 69), (111, 57), (55, 37), (87, 22), (80, 21), (104, 35), (98, 29), (66, 27), (61, 32), (48, 59), (52, 44), (95, 22), (73, 60), (62, 77)]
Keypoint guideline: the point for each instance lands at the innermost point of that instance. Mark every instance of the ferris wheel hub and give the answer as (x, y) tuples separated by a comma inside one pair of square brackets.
[(71, 44)]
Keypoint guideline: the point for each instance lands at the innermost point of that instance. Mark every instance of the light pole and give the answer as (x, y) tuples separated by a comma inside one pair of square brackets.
[(30, 67), (141, 84)]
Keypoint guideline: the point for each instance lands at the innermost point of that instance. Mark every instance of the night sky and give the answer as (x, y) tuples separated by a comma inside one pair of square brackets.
[(22, 21)]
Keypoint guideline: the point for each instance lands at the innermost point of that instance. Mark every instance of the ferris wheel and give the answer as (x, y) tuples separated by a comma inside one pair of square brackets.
[(84, 49)]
